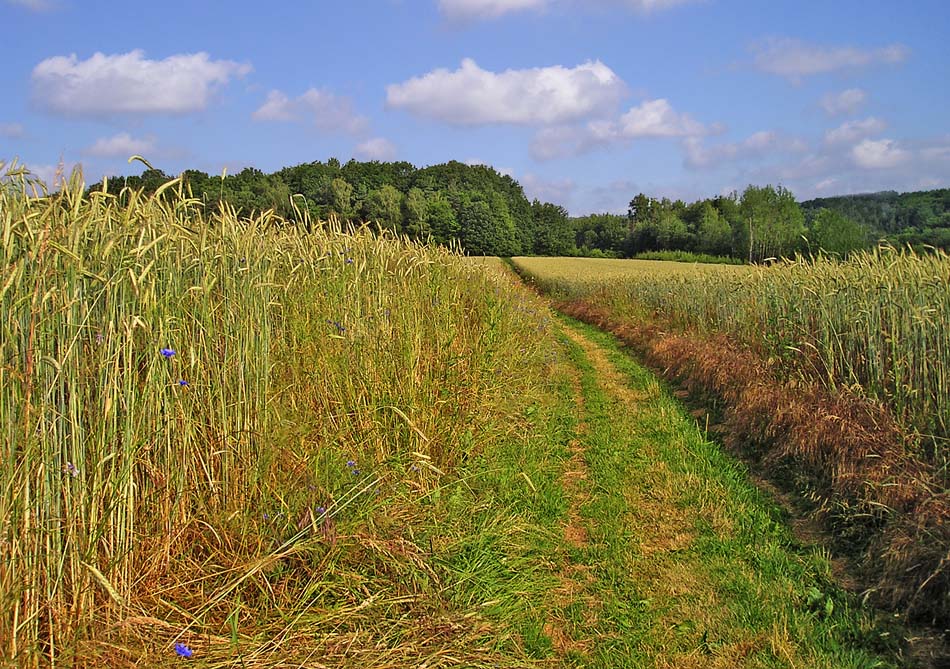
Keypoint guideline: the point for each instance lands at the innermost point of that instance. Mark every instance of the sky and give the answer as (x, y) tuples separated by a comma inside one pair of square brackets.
[(585, 102)]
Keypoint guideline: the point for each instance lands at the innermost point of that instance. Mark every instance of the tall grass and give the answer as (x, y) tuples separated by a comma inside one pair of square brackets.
[(190, 407), (876, 324)]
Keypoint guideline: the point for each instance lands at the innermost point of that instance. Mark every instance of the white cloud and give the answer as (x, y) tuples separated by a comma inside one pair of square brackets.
[(846, 102), (122, 145), (656, 118), (377, 148), (762, 143), (468, 10), (473, 96), (879, 154), (795, 59), (652, 118), (11, 130), (853, 131), (130, 84), (327, 111)]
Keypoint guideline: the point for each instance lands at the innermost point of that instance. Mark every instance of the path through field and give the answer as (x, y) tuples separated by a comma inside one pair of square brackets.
[(673, 558)]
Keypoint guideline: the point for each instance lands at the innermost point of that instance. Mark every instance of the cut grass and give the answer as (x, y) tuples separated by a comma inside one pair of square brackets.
[(691, 564)]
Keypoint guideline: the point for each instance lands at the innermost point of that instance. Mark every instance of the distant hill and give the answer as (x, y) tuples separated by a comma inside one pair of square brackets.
[(916, 218)]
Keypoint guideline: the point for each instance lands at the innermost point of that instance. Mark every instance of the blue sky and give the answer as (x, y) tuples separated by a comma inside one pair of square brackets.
[(585, 102)]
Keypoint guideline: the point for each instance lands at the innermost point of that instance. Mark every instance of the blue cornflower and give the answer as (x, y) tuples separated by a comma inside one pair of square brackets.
[(183, 383), (183, 651), (351, 463), (167, 352)]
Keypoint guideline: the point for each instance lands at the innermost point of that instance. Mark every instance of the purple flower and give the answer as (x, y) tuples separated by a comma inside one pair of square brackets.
[(71, 469), (351, 463), (320, 510), (167, 352), (183, 383), (349, 261), (183, 651)]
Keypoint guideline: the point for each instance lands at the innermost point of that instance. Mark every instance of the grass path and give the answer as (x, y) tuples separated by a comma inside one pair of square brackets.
[(670, 556)]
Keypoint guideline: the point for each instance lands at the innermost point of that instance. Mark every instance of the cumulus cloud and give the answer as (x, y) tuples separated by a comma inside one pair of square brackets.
[(652, 118), (377, 148), (11, 130), (758, 144), (473, 96), (130, 84), (327, 111), (656, 118), (845, 102), (795, 59), (853, 131), (879, 154), (121, 145)]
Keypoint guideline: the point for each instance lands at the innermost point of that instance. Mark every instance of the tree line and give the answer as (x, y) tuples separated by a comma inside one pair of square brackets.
[(767, 222), (487, 213)]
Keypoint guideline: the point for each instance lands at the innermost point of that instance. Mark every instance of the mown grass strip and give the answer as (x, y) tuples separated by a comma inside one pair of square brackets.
[(693, 566)]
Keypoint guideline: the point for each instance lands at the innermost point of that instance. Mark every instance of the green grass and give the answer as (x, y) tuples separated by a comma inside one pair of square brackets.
[(693, 566)]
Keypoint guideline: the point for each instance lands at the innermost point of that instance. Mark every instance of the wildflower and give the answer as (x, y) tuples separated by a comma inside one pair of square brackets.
[(167, 352), (183, 651), (349, 261), (351, 463), (71, 469), (99, 338), (320, 510), (183, 383)]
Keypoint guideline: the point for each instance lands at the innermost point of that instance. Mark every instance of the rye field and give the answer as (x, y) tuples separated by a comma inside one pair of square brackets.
[(269, 442)]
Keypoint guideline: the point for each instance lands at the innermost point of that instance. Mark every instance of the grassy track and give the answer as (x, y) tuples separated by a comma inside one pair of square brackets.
[(684, 562), (833, 375)]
